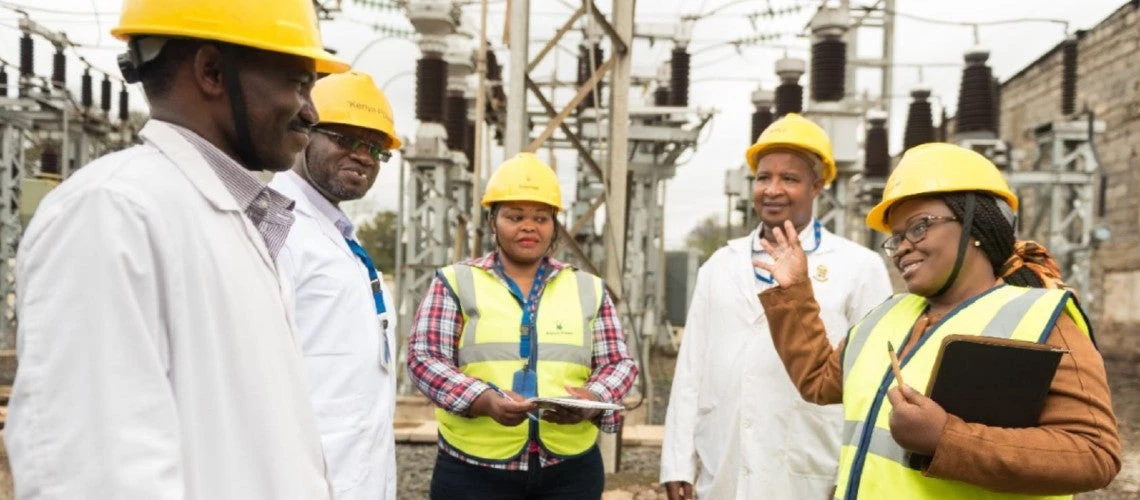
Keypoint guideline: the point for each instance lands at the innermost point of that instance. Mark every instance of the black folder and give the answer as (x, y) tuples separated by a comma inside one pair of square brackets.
[(992, 381)]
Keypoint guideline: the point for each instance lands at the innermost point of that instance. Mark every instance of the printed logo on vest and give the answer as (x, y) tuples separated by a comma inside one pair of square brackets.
[(558, 330)]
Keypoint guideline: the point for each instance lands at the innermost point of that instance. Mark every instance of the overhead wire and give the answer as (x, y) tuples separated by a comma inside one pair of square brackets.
[(28, 8)]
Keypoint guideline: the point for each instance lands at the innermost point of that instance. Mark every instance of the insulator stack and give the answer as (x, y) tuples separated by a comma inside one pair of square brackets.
[(1069, 76), (86, 94), (124, 104), (829, 54), (828, 70), (789, 94), (27, 62), (586, 68), (943, 134), (3, 81), (455, 121), (105, 94), (919, 120), (789, 99), (59, 70), (494, 70), (762, 117), (469, 144), (495, 76), (679, 78), (975, 95), (877, 160), (49, 160), (661, 96), (996, 92), (27, 55), (431, 88)]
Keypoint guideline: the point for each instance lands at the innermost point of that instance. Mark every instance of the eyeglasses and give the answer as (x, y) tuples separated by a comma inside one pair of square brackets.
[(374, 151), (914, 233)]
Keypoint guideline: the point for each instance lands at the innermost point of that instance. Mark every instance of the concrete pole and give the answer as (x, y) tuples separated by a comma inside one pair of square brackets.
[(616, 205), (616, 202), (888, 57), (517, 123), (480, 129)]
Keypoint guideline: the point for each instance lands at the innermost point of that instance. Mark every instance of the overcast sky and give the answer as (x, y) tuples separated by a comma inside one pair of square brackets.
[(722, 78)]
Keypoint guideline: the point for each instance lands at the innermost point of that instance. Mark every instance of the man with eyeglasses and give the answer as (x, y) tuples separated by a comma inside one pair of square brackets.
[(345, 321), (736, 426)]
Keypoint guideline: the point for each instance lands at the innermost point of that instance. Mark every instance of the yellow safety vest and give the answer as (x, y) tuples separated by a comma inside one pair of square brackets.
[(489, 351), (871, 464)]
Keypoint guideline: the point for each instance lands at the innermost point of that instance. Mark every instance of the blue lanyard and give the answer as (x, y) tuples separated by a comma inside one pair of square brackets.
[(373, 276), (817, 230), (527, 325)]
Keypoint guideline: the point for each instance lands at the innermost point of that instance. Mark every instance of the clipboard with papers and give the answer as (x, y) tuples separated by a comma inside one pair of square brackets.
[(584, 404)]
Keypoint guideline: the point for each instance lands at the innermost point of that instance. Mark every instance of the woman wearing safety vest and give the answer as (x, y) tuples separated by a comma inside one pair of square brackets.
[(511, 325), (950, 217)]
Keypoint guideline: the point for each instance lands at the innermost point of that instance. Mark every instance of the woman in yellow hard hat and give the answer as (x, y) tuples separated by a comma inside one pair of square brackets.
[(950, 219), (511, 325)]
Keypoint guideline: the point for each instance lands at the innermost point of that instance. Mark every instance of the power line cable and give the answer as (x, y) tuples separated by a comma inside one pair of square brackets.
[(21, 7)]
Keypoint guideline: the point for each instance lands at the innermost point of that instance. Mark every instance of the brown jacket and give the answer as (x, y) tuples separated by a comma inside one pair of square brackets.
[(1074, 448)]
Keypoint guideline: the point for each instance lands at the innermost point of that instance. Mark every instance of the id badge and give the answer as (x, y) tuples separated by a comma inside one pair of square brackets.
[(386, 354), (525, 383)]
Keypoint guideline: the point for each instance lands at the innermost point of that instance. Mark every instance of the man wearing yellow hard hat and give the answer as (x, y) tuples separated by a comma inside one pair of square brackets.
[(511, 325), (344, 311), (732, 409), (949, 217), (158, 356)]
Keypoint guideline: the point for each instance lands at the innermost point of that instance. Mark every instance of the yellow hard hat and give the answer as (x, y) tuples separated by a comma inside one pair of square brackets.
[(938, 167), (796, 132), (352, 98), (524, 178), (285, 26)]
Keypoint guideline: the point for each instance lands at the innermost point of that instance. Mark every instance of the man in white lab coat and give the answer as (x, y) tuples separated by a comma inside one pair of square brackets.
[(157, 357), (736, 427), (345, 315)]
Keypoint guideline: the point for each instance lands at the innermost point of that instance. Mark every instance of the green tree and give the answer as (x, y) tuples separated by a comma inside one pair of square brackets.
[(378, 237), (708, 235)]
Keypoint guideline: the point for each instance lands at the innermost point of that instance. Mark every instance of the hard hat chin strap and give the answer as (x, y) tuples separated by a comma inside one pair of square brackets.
[(967, 225), (239, 111)]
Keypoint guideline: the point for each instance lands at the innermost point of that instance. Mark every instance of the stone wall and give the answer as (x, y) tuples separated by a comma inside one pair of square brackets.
[(1108, 83)]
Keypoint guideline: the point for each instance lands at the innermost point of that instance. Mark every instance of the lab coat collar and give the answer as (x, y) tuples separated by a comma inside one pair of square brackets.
[(292, 185), (190, 162)]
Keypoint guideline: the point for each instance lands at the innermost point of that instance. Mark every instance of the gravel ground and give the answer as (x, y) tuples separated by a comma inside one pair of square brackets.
[(638, 478), (639, 471)]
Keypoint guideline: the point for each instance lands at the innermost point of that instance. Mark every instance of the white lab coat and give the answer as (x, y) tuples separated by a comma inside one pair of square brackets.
[(156, 347), (340, 335), (735, 422)]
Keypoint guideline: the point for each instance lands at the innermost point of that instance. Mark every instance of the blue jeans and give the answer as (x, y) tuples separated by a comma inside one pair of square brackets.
[(577, 478)]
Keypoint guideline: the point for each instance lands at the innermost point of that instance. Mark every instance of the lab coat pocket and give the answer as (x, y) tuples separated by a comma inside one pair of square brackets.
[(812, 440), (344, 437)]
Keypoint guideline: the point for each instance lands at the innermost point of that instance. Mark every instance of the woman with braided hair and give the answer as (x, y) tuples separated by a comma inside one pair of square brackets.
[(950, 219)]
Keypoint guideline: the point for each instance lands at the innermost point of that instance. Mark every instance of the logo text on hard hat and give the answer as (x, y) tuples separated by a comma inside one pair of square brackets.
[(368, 108)]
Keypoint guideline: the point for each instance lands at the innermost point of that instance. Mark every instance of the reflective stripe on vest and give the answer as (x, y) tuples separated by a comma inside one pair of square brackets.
[(872, 464), (489, 351)]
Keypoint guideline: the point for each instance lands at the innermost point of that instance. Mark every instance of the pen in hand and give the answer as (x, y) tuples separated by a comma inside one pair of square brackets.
[(503, 393), (895, 364)]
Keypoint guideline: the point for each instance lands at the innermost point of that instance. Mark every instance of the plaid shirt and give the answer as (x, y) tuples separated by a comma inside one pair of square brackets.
[(433, 358), (269, 211)]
